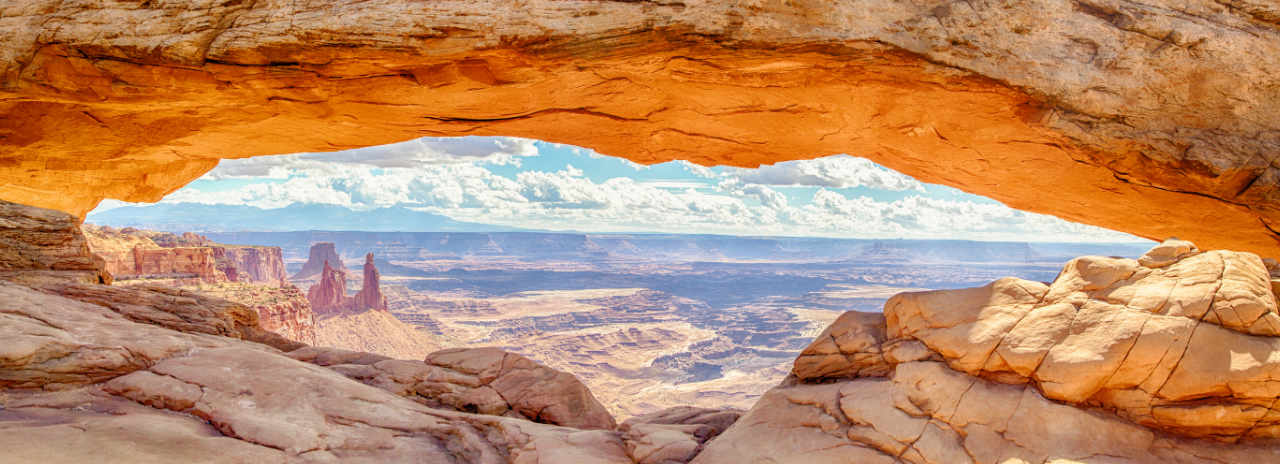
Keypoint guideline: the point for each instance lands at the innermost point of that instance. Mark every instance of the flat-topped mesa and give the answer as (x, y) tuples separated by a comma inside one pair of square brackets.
[(133, 254), (320, 254), (370, 295)]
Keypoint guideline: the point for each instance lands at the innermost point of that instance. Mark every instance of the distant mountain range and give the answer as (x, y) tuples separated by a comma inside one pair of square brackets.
[(194, 217), (402, 234), (415, 246)]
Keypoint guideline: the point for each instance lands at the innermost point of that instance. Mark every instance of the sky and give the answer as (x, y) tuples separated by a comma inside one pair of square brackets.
[(538, 185)]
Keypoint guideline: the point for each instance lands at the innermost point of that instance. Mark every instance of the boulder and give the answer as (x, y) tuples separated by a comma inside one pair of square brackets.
[(1169, 358), (478, 380), (674, 435)]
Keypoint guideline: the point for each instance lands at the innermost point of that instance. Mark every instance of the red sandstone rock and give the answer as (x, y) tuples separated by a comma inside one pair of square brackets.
[(329, 295), (370, 294), (188, 258), (1157, 117), (259, 264), (198, 263), (40, 240)]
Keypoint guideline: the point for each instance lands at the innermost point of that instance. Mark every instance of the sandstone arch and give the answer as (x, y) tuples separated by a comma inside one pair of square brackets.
[(1154, 117)]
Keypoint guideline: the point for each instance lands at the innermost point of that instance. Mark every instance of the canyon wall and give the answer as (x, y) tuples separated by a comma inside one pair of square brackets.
[(1154, 117), (173, 262), (250, 275), (1168, 358), (255, 264), (141, 254)]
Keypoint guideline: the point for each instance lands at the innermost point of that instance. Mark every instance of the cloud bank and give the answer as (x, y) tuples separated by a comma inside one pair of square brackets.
[(479, 179)]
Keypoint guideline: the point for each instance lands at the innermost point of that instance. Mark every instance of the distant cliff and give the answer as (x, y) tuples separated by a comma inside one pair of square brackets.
[(322, 253), (250, 275), (139, 254)]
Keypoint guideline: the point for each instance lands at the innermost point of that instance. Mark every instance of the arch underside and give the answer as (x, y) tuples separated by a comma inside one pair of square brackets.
[(1158, 137)]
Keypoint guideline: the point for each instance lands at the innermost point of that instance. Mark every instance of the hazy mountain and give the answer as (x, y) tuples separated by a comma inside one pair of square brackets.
[(193, 217), (414, 246)]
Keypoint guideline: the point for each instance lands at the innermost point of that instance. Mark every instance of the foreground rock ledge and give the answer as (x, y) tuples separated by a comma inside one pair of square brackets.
[(1154, 117), (1168, 358)]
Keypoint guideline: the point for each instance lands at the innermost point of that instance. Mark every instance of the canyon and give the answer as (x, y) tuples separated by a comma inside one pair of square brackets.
[(1163, 358), (646, 321), (1154, 117), (360, 322)]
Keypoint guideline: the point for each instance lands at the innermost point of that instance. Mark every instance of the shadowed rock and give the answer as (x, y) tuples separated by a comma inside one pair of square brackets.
[(674, 435)]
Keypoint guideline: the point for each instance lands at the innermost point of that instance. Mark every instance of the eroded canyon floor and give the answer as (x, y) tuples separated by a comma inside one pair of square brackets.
[(1169, 358), (646, 321)]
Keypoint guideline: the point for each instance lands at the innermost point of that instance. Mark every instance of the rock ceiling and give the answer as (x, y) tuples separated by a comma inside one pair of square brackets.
[(1154, 117)]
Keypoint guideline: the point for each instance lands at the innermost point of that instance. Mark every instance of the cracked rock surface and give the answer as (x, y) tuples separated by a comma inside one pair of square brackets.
[(477, 380), (674, 435), (1167, 358)]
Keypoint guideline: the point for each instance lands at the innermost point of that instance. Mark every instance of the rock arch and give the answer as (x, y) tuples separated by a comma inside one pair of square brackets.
[(1154, 117)]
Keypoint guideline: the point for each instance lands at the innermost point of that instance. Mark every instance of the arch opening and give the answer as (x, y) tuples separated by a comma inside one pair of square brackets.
[(660, 285)]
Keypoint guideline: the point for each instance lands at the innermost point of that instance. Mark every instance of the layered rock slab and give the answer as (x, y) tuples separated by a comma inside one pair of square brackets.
[(1156, 117), (479, 380), (1159, 359), (1178, 340), (312, 413), (36, 243), (674, 435), (53, 342), (926, 412)]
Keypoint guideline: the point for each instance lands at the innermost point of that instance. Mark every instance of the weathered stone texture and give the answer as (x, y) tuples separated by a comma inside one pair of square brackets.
[(1155, 117)]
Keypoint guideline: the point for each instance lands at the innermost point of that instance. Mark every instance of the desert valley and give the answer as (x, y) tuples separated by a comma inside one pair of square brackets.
[(640, 232), (648, 322)]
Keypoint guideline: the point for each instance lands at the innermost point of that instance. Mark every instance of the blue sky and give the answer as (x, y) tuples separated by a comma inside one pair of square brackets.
[(534, 184)]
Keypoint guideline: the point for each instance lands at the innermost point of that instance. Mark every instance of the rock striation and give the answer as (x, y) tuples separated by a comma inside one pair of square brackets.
[(1156, 117), (254, 264), (131, 255), (35, 241), (1159, 359), (134, 392), (282, 310)]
